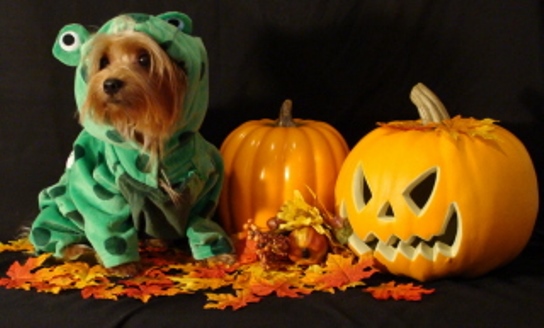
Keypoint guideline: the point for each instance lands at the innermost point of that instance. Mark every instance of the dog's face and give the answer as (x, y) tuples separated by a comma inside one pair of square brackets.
[(135, 87)]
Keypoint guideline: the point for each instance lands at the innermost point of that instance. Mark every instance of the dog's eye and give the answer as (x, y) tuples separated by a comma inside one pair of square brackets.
[(104, 62), (144, 59)]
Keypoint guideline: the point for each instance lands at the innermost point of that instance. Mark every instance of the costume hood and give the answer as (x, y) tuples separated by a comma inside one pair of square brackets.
[(171, 31)]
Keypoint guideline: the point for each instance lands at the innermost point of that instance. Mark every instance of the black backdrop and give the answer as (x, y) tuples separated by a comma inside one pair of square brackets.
[(349, 63)]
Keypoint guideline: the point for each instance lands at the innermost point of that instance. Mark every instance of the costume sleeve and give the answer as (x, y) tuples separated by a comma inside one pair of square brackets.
[(206, 237), (105, 211)]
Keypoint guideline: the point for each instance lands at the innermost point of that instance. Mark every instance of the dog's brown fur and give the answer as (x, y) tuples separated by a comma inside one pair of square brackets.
[(136, 88)]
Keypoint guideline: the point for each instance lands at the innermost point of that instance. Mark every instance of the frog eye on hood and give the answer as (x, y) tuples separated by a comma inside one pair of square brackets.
[(67, 47), (181, 21)]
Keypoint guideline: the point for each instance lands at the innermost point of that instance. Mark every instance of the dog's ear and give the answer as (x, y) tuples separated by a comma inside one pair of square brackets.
[(67, 47), (181, 21)]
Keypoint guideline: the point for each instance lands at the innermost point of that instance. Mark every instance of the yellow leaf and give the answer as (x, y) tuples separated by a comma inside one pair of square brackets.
[(296, 213), (222, 301), (19, 245)]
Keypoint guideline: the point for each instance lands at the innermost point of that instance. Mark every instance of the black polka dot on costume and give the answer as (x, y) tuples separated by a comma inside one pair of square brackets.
[(102, 192), (41, 236), (202, 70), (166, 45), (184, 138), (75, 216), (100, 158), (57, 191), (116, 245), (45, 195), (84, 74), (142, 162), (115, 136), (123, 227), (79, 152)]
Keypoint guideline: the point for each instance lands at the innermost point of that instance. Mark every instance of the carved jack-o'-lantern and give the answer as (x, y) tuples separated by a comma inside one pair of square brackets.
[(438, 196)]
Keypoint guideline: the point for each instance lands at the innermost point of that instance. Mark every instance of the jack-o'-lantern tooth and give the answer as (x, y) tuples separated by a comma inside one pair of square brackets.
[(445, 243), (425, 250), (443, 249), (407, 250), (389, 252), (358, 245)]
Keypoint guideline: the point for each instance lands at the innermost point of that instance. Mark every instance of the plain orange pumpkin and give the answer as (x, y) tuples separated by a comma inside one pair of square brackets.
[(266, 160), (439, 196)]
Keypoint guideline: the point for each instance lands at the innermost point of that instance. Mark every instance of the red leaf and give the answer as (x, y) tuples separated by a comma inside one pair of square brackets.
[(340, 271), (21, 276), (407, 292), (246, 250), (282, 288)]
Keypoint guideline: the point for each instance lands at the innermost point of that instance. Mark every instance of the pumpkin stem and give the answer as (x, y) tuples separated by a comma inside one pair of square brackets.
[(286, 117), (429, 106)]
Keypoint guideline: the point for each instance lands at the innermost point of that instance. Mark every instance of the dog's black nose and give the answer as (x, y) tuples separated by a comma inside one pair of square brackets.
[(112, 86)]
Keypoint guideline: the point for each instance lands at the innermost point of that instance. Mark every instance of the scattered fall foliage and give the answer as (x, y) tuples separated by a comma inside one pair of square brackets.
[(170, 271), (408, 292)]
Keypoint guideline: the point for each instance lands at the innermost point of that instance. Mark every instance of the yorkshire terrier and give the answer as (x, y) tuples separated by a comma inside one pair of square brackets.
[(154, 177)]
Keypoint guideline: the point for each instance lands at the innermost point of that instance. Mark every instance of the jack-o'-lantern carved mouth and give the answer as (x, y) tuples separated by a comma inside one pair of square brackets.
[(446, 242)]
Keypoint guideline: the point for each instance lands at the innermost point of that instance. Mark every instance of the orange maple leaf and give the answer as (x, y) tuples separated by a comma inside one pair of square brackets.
[(145, 287), (22, 276), (340, 272), (104, 291), (156, 278), (213, 272), (222, 301), (282, 288), (143, 292), (407, 292)]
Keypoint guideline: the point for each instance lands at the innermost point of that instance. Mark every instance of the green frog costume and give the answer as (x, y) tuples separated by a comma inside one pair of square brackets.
[(110, 194)]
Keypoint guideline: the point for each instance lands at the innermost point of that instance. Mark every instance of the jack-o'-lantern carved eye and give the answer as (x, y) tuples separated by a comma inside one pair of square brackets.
[(420, 192), (361, 190)]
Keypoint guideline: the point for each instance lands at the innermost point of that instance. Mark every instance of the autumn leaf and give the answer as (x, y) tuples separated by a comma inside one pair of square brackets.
[(143, 292), (105, 292), (407, 292), (246, 250), (191, 285), (213, 272), (281, 287), (19, 245), (223, 301), (22, 276), (484, 129), (340, 272), (296, 213)]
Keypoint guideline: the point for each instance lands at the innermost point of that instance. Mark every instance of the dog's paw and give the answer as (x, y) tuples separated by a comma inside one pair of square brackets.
[(156, 243), (227, 259), (78, 252), (126, 270)]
